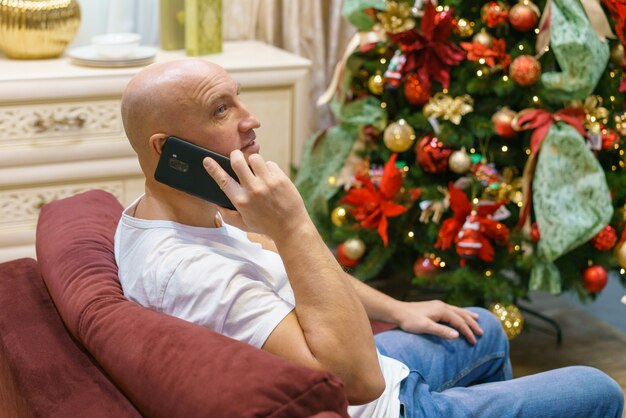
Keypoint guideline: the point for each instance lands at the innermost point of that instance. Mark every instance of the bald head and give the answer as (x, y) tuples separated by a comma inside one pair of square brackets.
[(162, 99)]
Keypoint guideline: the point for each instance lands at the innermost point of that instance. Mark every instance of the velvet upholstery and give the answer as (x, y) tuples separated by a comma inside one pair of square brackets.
[(167, 367), (42, 371)]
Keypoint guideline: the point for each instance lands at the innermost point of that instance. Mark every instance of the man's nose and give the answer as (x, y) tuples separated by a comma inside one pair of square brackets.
[(249, 121)]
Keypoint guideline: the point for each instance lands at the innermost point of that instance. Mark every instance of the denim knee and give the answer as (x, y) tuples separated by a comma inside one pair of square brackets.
[(604, 389)]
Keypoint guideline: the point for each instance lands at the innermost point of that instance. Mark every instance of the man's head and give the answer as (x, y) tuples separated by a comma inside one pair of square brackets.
[(192, 99)]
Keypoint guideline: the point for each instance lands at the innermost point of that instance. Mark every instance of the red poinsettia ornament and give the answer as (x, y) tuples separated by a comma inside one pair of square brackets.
[(372, 205), (429, 53), (491, 54), (471, 230)]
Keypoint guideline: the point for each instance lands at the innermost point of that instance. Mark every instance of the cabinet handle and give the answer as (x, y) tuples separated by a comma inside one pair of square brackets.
[(46, 124)]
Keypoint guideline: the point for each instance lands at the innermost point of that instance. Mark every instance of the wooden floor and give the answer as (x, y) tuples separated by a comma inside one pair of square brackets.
[(586, 341)]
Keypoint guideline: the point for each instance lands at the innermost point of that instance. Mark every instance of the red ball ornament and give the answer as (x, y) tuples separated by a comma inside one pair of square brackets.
[(425, 267), (605, 239), (494, 13), (595, 278), (525, 70), (609, 139), (534, 232), (416, 92), (431, 155), (524, 16), (502, 122)]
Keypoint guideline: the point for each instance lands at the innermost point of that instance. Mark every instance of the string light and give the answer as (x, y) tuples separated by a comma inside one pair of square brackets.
[(505, 78), (517, 248), (535, 99), (527, 151), (445, 91), (481, 61), (520, 204), (521, 47), (537, 31), (411, 234), (442, 264), (612, 74), (479, 73), (332, 180), (622, 271), (472, 150), (383, 105), (475, 201), (405, 168), (505, 148), (488, 273), (383, 60), (612, 98)]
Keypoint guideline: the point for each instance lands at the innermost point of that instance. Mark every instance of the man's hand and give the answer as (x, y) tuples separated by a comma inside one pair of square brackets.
[(426, 317), (267, 201)]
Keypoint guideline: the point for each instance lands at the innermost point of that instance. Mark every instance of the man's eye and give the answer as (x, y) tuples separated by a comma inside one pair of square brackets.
[(220, 110)]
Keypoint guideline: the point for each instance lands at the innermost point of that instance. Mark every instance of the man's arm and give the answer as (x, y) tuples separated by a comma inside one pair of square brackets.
[(329, 328), (418, 317)]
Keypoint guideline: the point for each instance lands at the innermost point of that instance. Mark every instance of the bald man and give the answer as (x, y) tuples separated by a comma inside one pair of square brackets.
[(262, 274)]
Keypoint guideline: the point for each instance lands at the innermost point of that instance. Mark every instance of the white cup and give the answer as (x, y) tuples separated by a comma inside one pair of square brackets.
[(116, 45)]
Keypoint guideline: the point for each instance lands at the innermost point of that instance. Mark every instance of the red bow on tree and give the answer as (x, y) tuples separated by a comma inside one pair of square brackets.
[(373, 205), (618, 11), (429, 53), (484, 228), (541, 120)]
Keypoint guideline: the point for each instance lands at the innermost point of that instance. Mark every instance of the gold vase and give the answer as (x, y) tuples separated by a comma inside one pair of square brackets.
[(35, 29)]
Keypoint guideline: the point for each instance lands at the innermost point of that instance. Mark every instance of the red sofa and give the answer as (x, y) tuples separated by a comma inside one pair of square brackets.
[(71, 345)]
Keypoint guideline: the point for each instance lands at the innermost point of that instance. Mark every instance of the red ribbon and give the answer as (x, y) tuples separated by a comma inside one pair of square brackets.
[(541, 120)]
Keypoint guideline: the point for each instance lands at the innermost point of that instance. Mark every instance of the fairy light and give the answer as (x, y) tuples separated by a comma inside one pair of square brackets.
[(442, 264), (479, 73), (505, 78), (535, 99), (383, 105), (505, 148), (488, 273), (481, 61), (445, 91), (521, 47), (527, 151), (472, 151), (520, 204), (612, 98), (622, 271), (616, 146), (383, 61), (621, 152), (612, 74), (475, 201), (517, 248), (613, 168), (405, 168), (332, 180), (410, 234), (547, 48), (537, 31)]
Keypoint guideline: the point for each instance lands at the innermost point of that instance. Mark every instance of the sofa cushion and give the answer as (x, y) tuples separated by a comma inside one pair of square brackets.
[(42, 370), (166, 366)]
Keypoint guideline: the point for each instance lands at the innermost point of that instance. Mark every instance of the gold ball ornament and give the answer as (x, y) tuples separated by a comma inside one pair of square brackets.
[(483, 38), (354, 248), (464, 28), (620, 255), (399, 136), (459, 161), (339, 216), (376, 84), (510, 318), (617, 54)]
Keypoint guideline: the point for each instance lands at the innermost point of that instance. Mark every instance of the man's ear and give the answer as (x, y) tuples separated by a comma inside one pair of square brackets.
[(157, 142)]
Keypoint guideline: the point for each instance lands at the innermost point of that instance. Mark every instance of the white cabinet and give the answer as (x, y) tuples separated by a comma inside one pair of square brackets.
[(61, 130)]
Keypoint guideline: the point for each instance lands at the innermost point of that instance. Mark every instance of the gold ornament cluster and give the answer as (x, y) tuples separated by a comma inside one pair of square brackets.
[(398, 17), (443, 106)]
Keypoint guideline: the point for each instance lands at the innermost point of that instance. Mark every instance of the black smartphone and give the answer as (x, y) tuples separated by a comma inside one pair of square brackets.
[(180, 166)]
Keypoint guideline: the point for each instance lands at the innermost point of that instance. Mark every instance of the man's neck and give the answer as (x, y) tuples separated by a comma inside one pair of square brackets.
[(173, 205)]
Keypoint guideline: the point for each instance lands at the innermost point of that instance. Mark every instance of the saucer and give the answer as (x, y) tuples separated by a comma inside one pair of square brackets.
[(87, 55)]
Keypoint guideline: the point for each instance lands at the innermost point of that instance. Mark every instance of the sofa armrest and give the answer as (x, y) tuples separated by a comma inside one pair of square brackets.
[(42, 371)]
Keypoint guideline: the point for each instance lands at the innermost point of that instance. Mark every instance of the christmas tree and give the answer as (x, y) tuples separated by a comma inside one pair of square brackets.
[(478, 147)]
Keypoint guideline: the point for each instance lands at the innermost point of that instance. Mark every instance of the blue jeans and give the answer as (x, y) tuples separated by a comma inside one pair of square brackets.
[(452, 378)]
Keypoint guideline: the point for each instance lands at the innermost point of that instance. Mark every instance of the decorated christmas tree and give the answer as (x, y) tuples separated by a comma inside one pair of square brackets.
[(478, 147)]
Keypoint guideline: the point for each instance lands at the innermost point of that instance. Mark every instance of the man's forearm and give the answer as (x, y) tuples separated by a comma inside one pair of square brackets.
[(333, 320), (379, 306)]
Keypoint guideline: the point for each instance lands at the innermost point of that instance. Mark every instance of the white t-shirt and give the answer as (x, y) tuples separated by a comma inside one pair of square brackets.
[(217, 278)]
